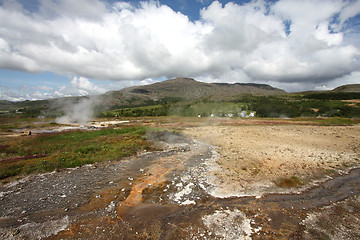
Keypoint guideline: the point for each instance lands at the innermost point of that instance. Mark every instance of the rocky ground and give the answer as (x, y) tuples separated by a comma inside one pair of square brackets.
[(219, 182)]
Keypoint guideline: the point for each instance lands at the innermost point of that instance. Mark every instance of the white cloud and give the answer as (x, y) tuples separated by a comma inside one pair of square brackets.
[(118, 6), (352, 78), (77, 86), (124, 42), (86, 86), (88, 9), (26, 92), (322, 33), (349, 11)]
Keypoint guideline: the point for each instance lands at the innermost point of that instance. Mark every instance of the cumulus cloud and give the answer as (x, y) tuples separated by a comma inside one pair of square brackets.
[(350, 10), (26, 92), (84, 84), (88, 9), (286, 43), (77, 86)]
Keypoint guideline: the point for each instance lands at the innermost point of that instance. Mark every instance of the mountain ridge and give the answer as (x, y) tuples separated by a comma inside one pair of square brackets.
[(187, 93), (189, 89), (347, 88)]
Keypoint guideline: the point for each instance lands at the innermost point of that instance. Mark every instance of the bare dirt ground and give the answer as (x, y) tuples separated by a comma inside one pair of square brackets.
[(254, 158), (221, 180)]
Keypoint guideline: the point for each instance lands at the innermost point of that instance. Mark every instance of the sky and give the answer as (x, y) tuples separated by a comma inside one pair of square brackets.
[(60, 48)]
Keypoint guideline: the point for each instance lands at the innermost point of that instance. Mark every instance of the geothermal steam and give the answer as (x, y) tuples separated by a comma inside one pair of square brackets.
[(79, 112)]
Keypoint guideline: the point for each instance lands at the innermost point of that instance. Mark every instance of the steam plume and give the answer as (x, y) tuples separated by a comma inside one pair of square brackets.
[(79, 112)]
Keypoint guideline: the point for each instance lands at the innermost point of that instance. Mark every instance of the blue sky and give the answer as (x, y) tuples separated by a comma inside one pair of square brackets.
[(57, 48)]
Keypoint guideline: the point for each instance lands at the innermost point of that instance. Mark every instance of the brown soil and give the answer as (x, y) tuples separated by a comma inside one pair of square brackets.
[(258, 156), (353, 102)]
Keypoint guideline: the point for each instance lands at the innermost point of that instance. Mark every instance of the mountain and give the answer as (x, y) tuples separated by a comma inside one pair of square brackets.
[(348, 88), (186, 89), (174, 90), (188, 97)]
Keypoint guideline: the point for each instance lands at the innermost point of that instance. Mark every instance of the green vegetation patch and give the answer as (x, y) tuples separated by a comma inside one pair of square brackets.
[(292, 182), (7, 123), (284, 106), (156, 110), (209, 109), (333, 95), (336, 121), (188, 109), (299, 106), (47, 152)]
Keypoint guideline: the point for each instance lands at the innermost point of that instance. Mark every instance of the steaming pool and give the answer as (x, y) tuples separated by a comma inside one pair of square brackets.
[(93, 125)]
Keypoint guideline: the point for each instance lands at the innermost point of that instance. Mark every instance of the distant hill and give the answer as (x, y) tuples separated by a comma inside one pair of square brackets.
[(186, 89), (348, 88), (188, 97), (174, 90)]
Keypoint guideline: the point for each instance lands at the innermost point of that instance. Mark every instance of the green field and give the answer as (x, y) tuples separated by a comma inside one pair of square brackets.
[(286, 106), (47, 152)]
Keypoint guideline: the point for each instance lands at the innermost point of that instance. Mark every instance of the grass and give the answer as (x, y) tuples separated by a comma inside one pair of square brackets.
[(154, 110), (47, 152), (263, 106), (330, 171), (291, 182), (327, 121), (7, 124), (335, 121)]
